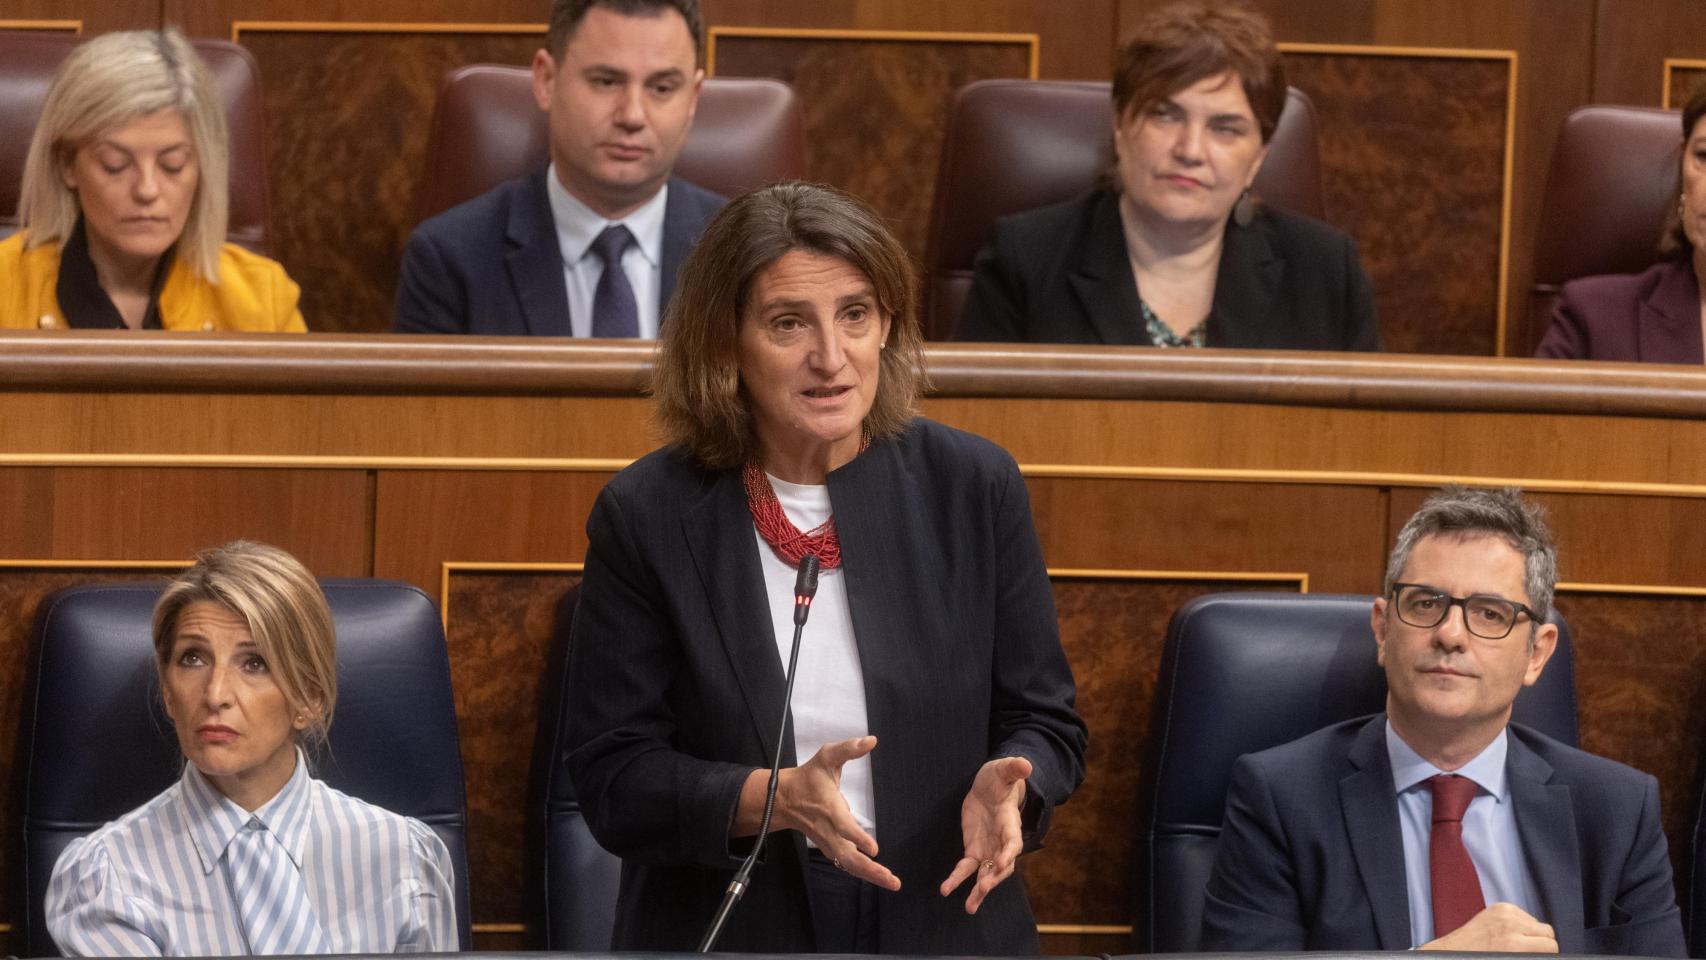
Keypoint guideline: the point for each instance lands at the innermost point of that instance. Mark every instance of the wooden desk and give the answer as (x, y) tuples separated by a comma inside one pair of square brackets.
[(467, 467)]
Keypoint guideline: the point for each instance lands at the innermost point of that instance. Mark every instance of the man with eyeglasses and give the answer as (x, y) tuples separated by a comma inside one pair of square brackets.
[(1440, 825)]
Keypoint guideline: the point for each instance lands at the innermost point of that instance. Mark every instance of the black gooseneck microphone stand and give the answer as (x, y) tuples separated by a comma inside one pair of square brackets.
[(805, 587)]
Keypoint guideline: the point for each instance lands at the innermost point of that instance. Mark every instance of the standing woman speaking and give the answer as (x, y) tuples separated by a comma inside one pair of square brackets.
[(933, 728)]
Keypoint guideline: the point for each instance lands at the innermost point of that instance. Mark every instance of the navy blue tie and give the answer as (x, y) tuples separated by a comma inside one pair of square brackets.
[(614, 312)]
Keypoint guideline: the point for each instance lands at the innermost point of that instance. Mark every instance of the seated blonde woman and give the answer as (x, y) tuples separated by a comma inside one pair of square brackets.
[(124, 200), (248, 853)]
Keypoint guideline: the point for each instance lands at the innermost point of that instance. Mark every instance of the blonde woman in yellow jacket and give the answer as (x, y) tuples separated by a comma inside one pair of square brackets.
[(124, 202)]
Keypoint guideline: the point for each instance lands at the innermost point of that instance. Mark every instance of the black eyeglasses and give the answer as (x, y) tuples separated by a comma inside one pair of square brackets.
[(1490, 618)]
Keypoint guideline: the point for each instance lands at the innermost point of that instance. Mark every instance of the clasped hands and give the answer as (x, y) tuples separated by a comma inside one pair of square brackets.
[(808, 799)]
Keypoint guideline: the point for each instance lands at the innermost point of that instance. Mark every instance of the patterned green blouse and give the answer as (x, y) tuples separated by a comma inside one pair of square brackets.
[(1163, 336)]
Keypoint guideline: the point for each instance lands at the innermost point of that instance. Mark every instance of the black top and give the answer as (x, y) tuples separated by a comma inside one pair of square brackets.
[(1061, 274), (675, 688), (82, 299)]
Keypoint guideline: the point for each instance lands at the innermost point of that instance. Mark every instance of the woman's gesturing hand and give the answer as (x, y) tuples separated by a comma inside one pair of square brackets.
[(990, 823), (808, 799)]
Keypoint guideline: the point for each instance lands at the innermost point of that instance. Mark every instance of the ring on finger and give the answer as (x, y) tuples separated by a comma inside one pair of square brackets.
[(835, 862), (989, 864)]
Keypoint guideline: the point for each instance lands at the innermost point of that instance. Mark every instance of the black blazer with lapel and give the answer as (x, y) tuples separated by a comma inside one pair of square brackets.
[(492, 265), (675, 688), (1652, 316), (1312, 857), (1060, 274)]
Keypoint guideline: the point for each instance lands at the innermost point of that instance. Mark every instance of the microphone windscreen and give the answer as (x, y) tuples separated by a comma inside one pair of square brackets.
[(805, 583)]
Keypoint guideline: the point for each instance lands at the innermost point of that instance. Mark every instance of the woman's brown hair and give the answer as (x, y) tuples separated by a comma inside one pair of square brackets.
[(702, 406)]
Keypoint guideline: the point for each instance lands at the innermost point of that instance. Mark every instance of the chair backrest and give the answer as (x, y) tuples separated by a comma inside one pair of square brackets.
[(1612, 183), (1242, 672), (1014, 145), (28, 59), (94, 743), (572, 881), (486, 128)]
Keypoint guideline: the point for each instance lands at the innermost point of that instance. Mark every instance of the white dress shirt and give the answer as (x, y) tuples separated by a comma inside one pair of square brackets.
[(829, 687), (578, 226), (157, 881), (1489, 831)]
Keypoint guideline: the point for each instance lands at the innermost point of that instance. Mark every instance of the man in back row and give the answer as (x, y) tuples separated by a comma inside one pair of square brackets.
[(589, 246), (1440, 824)]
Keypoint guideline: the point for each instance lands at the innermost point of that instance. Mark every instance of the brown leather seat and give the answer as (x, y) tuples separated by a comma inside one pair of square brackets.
[(486, 129), (1012, 145), (1612, 183), (28, 60)]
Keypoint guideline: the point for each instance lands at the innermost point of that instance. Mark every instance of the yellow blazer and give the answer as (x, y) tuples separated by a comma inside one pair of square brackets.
[(253, 292)]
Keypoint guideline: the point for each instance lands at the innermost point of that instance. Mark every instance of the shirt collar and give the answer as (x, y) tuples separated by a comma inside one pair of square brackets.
[(82, 301), (215, 819), (578, 225), (1487, 769)]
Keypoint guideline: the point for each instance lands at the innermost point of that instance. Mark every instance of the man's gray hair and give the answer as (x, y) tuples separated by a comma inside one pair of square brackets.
[(1459, 511)]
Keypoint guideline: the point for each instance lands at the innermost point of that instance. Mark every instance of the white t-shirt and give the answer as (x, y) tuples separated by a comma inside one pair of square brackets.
[(829, 689)]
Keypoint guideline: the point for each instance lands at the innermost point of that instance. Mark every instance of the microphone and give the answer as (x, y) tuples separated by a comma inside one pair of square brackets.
[(805, 588)]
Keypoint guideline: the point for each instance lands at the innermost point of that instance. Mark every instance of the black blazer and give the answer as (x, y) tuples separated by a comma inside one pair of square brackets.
[(1061, 274), (1312, 856), (675, 688), (492, 265), (1652, 316)]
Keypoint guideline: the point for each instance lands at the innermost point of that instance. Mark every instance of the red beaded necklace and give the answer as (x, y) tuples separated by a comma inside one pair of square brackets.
[(778, 531)]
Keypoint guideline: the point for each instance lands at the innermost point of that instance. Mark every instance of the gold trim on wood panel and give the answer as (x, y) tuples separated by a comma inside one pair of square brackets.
[(496, 566), (1631, 589), (1092, 573), (1358, 478), (328, 26), (1031, 40), (75, 26), (1671, 64), (498, 927), (1071, 471), (1101, 929), (1509, 174), (16, 564), (277, 461)]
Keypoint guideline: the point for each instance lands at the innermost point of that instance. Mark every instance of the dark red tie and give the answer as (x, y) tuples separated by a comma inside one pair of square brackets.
[(1456, 885)]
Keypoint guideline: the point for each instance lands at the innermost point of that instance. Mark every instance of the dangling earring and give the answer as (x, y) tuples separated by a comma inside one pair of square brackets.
[(1245, 209)]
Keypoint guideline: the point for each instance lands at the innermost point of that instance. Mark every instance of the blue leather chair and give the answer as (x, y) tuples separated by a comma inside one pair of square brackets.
[(94, 742), (1241, 672), (571, 880)]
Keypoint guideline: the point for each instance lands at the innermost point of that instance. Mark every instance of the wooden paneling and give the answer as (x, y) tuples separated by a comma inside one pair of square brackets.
[(1640, 680), (92, 16), (347, 144), (138, 513), (1633, 40), (1682, 78), (1113, 630), (499, 626), (875, 107), (1413, 157), (1076, 40)]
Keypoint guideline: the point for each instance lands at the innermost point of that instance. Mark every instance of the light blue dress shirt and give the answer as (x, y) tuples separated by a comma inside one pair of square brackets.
[(157, 880), (1489, 831), (578, 226)]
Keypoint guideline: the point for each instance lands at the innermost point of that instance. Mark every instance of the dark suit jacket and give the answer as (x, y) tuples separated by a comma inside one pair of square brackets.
[(1312, 856), (675, 688), (1653, 316), (1060, 274), (492, 265)]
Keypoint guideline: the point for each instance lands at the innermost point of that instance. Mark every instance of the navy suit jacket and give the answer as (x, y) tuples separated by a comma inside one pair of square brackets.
[(1060, 274), (676, 688), (492, 265), (1312, 857), (1652, 316)]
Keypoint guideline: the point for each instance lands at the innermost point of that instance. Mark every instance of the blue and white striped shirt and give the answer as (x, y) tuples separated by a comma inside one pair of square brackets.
[(156, 882)]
